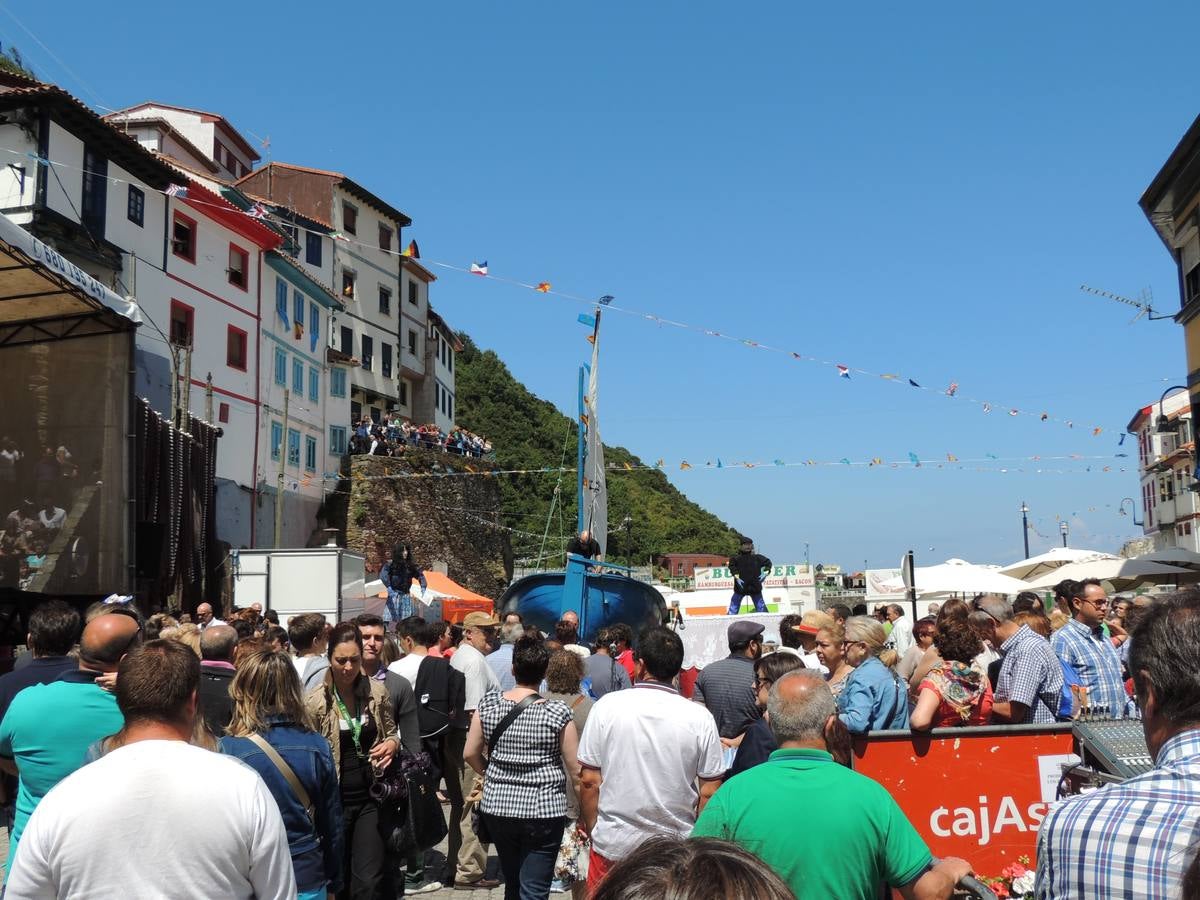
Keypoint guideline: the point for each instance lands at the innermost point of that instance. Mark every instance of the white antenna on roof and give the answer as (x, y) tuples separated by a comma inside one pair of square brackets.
[(1142, 304)]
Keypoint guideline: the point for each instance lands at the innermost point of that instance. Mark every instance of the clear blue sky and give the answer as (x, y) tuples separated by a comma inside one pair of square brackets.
[(906, 188)]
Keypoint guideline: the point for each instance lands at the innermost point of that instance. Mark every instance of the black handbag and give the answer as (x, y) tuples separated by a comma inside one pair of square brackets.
[(478, 823), (408, 795)]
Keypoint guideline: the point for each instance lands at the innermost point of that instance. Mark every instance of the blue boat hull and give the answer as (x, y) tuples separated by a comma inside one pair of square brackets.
[(607, 600)]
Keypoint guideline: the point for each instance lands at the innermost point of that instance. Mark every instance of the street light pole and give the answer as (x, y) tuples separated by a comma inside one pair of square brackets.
[(1065, 529), (806, 564), (1025, 526)]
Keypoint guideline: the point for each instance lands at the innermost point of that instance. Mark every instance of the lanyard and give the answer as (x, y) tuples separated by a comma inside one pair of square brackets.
[(355, 726)]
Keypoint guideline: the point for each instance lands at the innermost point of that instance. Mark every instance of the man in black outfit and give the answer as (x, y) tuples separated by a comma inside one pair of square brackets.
[(584, 544), (748, 569)]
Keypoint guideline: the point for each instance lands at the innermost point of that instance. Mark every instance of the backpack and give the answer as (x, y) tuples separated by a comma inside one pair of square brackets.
[(441, 692)]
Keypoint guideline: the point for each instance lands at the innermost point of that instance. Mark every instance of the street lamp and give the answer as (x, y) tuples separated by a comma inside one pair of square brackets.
[(1132, 509), (627, 524), (1065, 529), (1025, 526), (1165, 425)]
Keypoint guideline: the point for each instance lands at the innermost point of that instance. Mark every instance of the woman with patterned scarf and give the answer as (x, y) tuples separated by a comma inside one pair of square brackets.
[(956, 692)]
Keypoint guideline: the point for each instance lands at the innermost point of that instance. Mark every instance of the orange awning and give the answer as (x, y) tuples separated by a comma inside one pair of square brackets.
[(444, 585)]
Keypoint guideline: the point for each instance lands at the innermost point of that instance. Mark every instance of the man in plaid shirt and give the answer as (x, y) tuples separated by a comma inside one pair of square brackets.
[(1084, 646), (1139, 838), (1029, 687)]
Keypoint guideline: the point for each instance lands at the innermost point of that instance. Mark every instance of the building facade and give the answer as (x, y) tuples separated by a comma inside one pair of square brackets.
[(684, 565), (1172, 204), (1166, 462), (365, 271), (188, 135)]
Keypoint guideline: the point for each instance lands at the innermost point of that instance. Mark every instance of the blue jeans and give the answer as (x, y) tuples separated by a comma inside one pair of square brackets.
[(735, 603), (528, 849)]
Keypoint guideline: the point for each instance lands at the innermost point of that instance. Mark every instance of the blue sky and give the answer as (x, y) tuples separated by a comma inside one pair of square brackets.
[(904, 188)]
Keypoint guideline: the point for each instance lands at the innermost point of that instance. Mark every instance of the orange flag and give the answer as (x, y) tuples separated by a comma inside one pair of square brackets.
[(543, 287)]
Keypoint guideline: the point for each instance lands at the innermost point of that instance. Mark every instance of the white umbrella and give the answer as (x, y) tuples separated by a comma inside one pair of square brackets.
[(956, 576), (1173, 556), (1118, 572), (1036, 566)]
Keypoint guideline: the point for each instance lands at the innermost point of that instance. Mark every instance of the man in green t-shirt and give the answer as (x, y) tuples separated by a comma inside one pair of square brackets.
[(862, 840)]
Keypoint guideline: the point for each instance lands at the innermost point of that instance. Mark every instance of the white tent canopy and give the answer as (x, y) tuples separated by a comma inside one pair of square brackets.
[(1173, 556), (1043, 563), (957, 576), (1120, 573)]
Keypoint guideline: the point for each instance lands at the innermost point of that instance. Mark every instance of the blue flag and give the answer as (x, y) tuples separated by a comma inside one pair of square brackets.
[(585, 319)]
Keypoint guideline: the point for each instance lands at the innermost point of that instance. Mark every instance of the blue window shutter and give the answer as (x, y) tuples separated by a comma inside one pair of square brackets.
[(314, 326), (280, 367), (281, 306)]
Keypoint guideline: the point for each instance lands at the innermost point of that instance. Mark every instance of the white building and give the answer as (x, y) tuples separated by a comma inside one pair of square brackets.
[(365, 272), (437, 403), (1166, 466), (188, 135)]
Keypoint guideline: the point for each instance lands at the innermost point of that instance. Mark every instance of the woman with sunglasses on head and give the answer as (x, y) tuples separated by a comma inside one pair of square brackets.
[(874, 699), (759, 741), (354, 713)]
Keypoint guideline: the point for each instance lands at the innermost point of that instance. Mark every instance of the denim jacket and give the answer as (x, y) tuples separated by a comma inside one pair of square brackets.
[(316, 860), (873, 699)]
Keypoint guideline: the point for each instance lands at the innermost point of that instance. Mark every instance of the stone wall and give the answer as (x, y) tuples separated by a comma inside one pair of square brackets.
[(443, 516)]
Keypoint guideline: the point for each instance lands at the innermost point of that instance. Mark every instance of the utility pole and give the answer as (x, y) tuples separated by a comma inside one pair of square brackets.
[(1065, 529), (283, 453), (1025, 527), (186, 406), (208, 399)]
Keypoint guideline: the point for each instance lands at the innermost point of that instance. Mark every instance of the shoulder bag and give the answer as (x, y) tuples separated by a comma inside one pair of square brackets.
[(288, 775), (477, 821)]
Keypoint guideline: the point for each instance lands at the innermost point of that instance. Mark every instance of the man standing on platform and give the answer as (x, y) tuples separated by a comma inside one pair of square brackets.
[(748, 569)]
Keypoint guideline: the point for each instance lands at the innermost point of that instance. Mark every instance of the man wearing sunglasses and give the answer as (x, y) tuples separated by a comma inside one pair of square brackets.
[(49, 727), (1083, 645)]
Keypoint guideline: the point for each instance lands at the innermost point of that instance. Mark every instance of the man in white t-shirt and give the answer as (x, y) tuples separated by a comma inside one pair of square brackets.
[(478, 630), (414, 651), (901, 637), (113, 828), (661, 752)]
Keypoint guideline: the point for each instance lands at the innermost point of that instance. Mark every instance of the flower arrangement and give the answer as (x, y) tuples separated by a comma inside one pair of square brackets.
[(1015, 881)]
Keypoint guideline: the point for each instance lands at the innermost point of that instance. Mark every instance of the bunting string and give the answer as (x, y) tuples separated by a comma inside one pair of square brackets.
[(946, 387)]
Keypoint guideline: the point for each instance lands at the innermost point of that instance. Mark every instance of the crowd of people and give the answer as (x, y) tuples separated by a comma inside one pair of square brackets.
[(36, 492), (580, 763), (394, 435)]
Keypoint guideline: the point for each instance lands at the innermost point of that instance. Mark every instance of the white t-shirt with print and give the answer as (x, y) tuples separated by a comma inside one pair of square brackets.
[(650, 745)]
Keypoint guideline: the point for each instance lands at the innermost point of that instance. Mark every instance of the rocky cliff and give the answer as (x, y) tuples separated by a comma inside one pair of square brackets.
[(447, 518)]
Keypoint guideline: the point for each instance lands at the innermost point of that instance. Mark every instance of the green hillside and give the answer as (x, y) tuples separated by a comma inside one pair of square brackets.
[(529, 433)]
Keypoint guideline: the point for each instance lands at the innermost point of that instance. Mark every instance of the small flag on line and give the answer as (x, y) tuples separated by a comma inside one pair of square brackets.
[(585, 319), (843, 371), (479, 268), (606, 299), (412, 251), (177, 190), (543, 287), (257, 211)]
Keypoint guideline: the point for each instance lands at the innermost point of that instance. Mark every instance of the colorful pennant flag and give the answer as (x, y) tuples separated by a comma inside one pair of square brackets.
[(796, 355), (720, 465), (914, 459), (177, 190), (412, 251), (950, 457), (660, 464), (953, 389), (684, 465), (843, 371), (780, 462), (257, 211), (913, 383), (585, 319), (1096, 431), (543, 287), (1121, 442), (1014, 412), (479, 268), (606, 299), (987, 407), (876, 461), (338, 236), (844, 461), (889, 377)]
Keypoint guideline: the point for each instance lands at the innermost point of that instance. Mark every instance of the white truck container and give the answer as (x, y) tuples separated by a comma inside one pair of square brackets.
[(327, 580)]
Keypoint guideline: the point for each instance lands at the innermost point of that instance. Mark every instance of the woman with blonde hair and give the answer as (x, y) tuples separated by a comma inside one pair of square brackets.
[(272, 732), (874, 698), (831, 650)]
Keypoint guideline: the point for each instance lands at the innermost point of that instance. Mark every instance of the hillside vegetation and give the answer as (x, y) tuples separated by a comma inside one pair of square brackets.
[(530, 433)]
